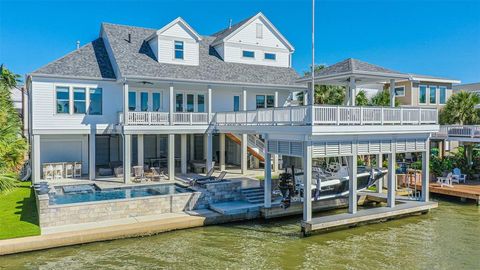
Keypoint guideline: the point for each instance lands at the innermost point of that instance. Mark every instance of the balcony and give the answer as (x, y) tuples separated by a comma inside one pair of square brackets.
[(458, 132), (163, 118), (330, 115)]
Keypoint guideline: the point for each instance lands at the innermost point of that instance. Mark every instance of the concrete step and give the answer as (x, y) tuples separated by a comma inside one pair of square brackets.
[(255, 193)]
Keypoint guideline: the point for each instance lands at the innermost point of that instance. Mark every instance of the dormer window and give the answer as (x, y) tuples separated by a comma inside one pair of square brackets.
[(270, 56), (178, 49), (248, 54), (259, 30)]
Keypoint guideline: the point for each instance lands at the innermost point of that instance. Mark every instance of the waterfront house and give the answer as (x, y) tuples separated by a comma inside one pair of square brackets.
[(171, 98)]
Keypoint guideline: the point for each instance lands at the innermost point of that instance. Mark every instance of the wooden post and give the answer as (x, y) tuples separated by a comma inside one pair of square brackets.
[(307, 181)]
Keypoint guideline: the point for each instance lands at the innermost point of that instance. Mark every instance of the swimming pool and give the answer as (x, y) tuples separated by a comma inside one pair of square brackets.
[(90, 193)]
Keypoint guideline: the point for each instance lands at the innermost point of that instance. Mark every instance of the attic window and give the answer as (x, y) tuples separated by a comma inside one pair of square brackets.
[(178, 49), (248, 54), (259, 30)]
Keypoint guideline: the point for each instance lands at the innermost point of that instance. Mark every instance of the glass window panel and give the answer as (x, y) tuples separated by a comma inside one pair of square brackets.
[(249, 54), (236, 103), (156, 102), (144, 101), (179, 103), (79, 100), (422, 96), (433, 94), (201, 103), (63, 99), (95, 101), (270, 56), (132, 101), (270, 101), (443, 94), (260, 102), (178, 49), (190, 103), (400, 91)]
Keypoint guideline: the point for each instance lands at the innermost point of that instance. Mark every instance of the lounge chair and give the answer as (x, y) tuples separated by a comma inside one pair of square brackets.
[(214, 180), (138, 174), (445, 181), (157, 175), (458, 177)]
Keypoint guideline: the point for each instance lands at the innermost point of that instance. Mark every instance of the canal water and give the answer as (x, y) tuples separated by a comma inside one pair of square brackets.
[(446, 238)]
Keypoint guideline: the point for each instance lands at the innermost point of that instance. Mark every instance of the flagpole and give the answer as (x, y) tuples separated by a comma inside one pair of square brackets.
[(312, 98)]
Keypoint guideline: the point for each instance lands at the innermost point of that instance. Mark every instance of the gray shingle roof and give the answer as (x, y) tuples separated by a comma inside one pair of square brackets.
[(90, 60), (220, 35), (353, 65), (136, 58)]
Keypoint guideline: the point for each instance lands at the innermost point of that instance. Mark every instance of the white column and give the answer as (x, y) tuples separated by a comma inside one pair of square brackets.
[(140, 150), (426, 172), (353, 91), (91, 153), (209, 154), (307, 181), (346, 100), (36, 166), (352, 181), (392, 93), (244, 99), (192, 146), (379, 165), (171, 105), (275, 100), (222, 151), (127, 157), (171, 157), (209, 102), (243, 153), (125, 103), (391, 185), (268, 180), (275, 156), (183, 150)]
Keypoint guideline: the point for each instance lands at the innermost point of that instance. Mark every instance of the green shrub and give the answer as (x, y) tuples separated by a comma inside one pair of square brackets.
[(7, 182)]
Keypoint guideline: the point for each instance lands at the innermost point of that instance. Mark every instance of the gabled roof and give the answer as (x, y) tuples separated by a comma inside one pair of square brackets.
[(180, 21), (89, 61), (135, 59), (351, 65), (225, 34)]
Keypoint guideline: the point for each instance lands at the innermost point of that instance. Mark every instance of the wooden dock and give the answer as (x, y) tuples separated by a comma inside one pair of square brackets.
[(469, 190), (403, 208)]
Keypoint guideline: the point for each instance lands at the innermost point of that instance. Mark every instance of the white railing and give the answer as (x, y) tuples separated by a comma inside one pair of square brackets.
[(330, 115), (468, 131), (163, 118)]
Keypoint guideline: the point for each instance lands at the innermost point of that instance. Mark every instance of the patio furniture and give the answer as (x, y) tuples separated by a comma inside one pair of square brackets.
[(69, 170), (118, 171), (47, 171), (156, 174), (458, 177), (219, 178), (445, 181), (138, 174), (58, 171), (77, 170), (208, 176)]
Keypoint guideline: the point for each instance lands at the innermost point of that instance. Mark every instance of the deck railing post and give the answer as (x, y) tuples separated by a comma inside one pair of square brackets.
[(273, 116), (291, 115), (419, 116), (361, 116), (401, 116), (338, 115), (149, 117), (382, 116)]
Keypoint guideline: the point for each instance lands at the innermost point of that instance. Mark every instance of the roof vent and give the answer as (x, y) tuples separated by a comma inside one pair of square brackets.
[(129, 38), (78, 44), (230, 24)]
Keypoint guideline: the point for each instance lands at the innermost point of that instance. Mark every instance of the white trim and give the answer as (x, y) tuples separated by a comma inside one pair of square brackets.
[(426, 94), (399, 86), (274, 55), (179, 20), (429, 94), (437, 80)]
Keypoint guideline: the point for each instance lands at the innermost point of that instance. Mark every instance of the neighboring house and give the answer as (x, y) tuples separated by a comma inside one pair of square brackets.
[(469, 87), (20, 102)]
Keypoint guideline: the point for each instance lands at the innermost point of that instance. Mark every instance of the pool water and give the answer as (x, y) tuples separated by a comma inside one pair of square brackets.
[(89, 193)]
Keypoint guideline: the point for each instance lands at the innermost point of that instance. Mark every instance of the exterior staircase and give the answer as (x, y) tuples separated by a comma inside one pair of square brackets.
[(253, 195), (255, 146)]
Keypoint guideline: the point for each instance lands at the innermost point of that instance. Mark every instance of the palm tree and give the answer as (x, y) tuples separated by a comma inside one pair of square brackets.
[(460, 109), (382, 98), (361, 98), (325, 94)]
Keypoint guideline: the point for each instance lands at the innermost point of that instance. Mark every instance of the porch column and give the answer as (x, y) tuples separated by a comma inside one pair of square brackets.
[(346, 99), (268, 179), (379, 185), (426, 172), (391, 185), (243, 153), (91, 153), (352, 181), (353, 91), (222, 151), (140, 150), (209, 151), (125, 103), (192, 146), (209, 102), (274, 156), (171, 105), (36, 166), (307, 181), (392, 93), (244, 99), (127, 157), (183, 150), (171, 157)]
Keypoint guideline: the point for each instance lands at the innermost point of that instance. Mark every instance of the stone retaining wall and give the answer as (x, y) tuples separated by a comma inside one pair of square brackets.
[(64, 214)]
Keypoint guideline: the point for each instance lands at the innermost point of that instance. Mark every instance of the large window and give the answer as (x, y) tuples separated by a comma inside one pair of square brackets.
[(179, 102), (190, 103), (443, 94), (63, 99), (95, 107), (236, 103), (248, 54), (270, 56), (265, 101), (144, 101), (132, 101), (422, 94), (79, 100), (400, 91), (433, 94), (178, 49), (260, 102), (270, 101), (201, 103), (156, 99)]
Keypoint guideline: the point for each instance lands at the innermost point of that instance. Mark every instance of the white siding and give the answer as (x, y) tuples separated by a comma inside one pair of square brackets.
[(220, 50), (44, 106), (64, 148)]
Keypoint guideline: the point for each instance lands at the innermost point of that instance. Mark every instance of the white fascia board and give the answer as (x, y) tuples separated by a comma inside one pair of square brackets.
[(438, 80), (180, 20), (52, 76), (166, 129)]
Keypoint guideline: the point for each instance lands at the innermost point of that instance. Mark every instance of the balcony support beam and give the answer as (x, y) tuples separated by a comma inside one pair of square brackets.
[(379, 184), (183, 150), (243, 153), (222, 151), (352, 181), (209, 102), (140, 150), (127, 157), (125, 103), (268, 180), (392, 93), (352, 89), (426, 172), (171, 157), (392, 181), (171, 104), (307, 181), (91, 153), (209, 151)]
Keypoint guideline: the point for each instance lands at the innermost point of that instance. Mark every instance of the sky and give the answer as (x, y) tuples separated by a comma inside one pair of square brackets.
[(437, 38)]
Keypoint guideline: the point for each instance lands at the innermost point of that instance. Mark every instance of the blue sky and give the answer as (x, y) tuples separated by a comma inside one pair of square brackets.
[(439, 38)]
